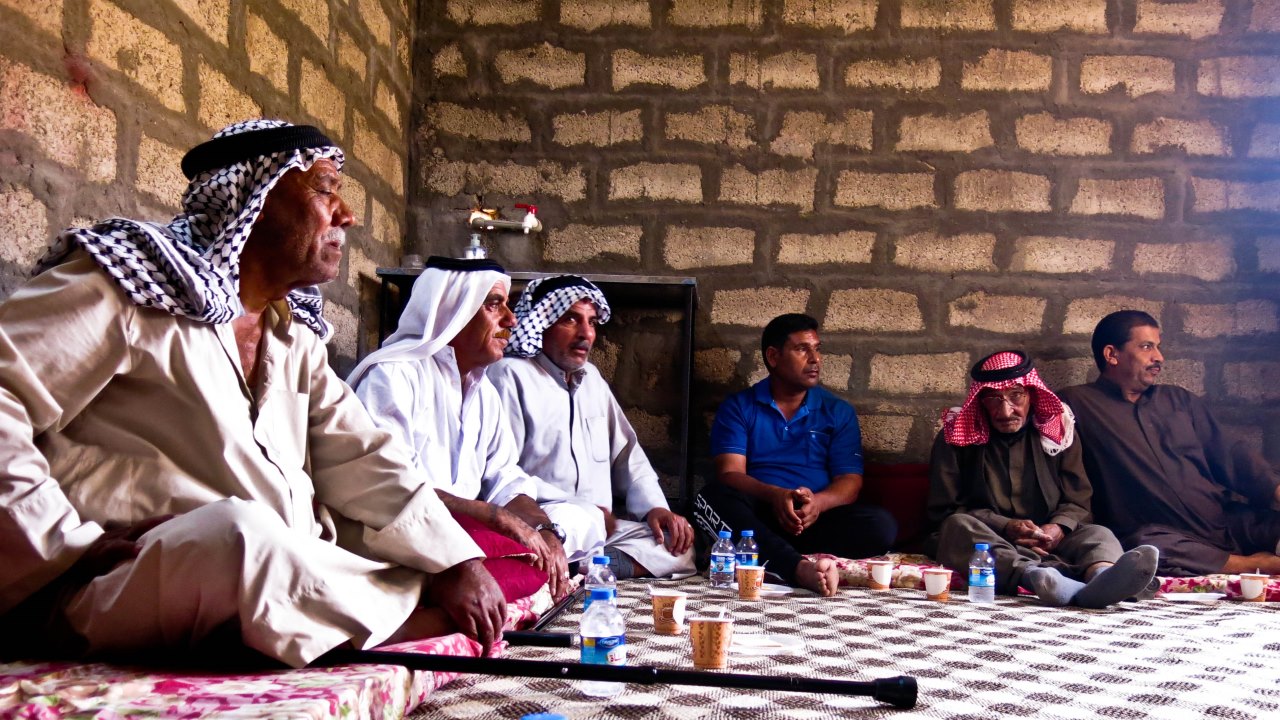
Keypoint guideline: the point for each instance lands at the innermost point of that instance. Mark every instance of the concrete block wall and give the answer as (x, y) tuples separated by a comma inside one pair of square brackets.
[(99, 99), (932, 180)]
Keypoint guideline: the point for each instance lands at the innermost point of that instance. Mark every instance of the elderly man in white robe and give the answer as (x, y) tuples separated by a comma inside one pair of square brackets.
[(174, 446), (427, 386), (574, 437)]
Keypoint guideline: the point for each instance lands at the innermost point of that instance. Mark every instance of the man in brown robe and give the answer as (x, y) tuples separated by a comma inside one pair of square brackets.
[(1020, 487), (1166, 473)]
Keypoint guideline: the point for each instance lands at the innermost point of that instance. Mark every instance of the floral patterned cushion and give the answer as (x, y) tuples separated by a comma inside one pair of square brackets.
[(908, 574), (1226, 584), (49, 690)]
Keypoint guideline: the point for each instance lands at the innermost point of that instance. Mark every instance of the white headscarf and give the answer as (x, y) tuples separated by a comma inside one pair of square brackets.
[(444, 298)]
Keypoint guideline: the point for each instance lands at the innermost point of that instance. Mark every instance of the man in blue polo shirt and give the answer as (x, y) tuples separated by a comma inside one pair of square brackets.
[(788, 458)]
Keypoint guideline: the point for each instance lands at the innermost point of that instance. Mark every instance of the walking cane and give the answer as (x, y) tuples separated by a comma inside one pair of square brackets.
[(898, 691), (549, 616)]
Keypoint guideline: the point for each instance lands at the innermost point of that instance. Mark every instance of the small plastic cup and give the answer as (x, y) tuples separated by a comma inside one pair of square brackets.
[(668, 610), (881, 574), (1253, 587), (750, 581), (937, 584), (710, 636)]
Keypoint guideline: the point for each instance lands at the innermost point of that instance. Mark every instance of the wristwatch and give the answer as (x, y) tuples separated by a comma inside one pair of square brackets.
[(553, 528)]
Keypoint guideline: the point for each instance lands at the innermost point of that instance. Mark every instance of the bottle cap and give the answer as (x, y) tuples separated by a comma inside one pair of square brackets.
[(982, 546), (599, 559), (726, 534), (599, 593), (748, 533)]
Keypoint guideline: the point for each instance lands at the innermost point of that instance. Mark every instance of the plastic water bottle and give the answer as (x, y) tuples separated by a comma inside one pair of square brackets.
[(599, 575), (721, 570), (604, 640), (747, 551), (982, 575)]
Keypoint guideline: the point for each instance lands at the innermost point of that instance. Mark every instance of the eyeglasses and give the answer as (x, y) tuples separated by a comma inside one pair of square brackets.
[(995, 402)]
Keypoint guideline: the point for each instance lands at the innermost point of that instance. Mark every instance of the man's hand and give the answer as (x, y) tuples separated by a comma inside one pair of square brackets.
[(807, 507), (549, 554), (670, 530), (1039, 539), (472, 599), (557, 564), (784, 504), (116, 545), (1053, 536)]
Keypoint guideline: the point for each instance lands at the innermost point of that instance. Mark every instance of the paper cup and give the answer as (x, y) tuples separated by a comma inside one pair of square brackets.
[(1253, 587), (937, 584), (668, 610), (750, 581), (881, 574), (710, 638)]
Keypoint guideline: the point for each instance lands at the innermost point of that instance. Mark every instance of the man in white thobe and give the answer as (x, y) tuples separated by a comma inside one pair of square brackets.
[(427, 386), (174, 446), (574, 438)]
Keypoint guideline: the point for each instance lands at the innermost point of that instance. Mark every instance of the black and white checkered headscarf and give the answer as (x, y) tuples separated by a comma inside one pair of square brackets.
[(541, 305), (191, 266)]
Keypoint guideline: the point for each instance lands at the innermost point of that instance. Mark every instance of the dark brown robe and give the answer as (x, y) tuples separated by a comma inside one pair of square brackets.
[(975, 490), (1166, 474)]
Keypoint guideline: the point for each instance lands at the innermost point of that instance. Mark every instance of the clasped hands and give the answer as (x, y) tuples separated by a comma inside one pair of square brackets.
[(1040, 539), (795, 509)]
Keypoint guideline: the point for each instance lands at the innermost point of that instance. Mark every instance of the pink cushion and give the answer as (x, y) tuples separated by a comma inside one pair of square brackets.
[(506, 560)]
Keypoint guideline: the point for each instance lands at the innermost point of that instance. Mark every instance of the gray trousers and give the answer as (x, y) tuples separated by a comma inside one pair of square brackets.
[(1082, 547)]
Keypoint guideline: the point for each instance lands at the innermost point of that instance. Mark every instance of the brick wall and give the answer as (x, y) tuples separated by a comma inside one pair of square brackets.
[(931, 179), (100, 98)]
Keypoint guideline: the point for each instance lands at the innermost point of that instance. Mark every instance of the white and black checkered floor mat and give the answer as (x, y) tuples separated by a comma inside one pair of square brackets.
[(1016, 659)]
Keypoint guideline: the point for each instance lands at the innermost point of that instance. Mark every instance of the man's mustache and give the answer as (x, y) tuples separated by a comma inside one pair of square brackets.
[(583, 346), (503, 334), (336, 235)]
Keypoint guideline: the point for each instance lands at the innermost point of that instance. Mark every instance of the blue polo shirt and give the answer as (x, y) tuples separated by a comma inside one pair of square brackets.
[(822, 440)]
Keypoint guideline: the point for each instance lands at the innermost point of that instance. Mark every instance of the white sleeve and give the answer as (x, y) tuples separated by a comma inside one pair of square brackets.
[(633, 476), (503, 479), (384, 487)]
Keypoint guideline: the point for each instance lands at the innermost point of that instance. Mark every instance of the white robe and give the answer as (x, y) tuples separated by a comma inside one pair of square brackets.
[(110, 412), (578, 443), (456, 428)]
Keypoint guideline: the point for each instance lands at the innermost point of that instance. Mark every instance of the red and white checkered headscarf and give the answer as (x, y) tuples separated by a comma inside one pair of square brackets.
[(968, 425)]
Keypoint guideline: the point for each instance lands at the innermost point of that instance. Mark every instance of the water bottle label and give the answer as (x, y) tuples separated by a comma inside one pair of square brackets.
[(748, 558), (722, 563), (982, 577), (610, 650)]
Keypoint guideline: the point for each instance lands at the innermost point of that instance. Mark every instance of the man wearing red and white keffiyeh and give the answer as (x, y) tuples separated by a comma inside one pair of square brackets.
[(1021, 488)]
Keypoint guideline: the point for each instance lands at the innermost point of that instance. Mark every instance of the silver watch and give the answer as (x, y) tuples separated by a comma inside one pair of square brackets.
[(554, 528)]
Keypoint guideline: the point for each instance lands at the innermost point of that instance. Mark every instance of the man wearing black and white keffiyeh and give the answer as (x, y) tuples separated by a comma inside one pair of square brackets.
[(174, 446), (573, 436)]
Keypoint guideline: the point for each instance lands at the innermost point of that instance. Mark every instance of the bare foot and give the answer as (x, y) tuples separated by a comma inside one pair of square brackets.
[(819, 576)]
